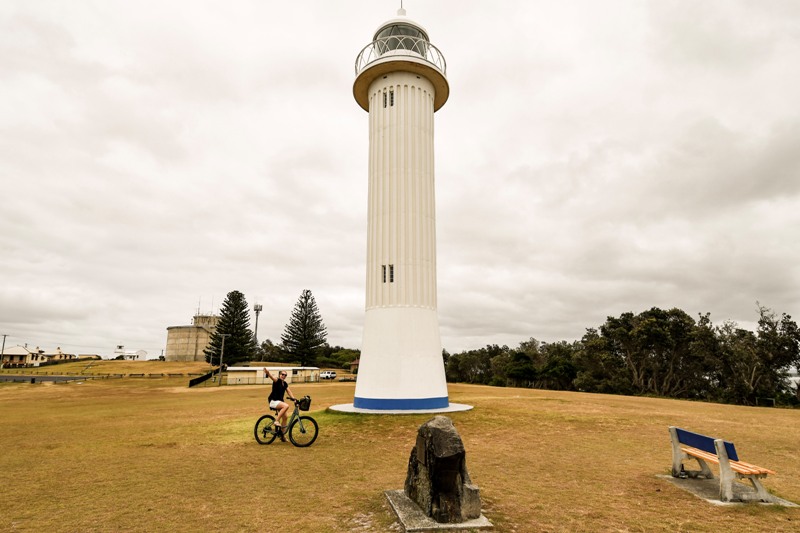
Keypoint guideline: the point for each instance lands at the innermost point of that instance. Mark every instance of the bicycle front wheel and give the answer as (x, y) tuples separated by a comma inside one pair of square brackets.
[(265, 429), (303, 431)]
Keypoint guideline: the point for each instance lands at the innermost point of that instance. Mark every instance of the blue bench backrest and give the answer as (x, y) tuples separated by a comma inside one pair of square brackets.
[(701, 442)]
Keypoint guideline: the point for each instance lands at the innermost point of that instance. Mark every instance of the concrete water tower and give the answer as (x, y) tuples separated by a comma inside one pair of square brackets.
[(401, 81)]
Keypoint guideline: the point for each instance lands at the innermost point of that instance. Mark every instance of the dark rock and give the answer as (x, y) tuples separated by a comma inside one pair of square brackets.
[(437, 478)]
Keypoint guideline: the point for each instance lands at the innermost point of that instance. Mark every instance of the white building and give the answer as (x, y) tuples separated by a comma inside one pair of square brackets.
[(131, 355), (255, 375), (22, 356)]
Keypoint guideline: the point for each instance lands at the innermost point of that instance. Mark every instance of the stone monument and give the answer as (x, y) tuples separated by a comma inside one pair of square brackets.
[(438, 494)]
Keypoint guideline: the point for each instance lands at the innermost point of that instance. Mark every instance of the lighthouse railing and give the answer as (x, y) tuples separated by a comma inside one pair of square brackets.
[(400, 45)]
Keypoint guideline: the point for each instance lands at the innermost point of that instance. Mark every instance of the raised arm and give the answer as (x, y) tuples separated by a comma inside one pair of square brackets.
[(269, 374)]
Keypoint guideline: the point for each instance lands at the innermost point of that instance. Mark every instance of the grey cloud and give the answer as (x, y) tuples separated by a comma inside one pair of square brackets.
[(712, 35), (592, 159)]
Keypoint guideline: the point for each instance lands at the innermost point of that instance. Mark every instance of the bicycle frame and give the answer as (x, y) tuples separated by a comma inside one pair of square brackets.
[(295, 414)]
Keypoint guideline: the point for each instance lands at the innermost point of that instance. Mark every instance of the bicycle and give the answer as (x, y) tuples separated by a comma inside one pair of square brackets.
[(303, 430)]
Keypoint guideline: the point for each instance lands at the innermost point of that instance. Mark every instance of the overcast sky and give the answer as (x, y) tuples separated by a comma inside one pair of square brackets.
[(594, 157)]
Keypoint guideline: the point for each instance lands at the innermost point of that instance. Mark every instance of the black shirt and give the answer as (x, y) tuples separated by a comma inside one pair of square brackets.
[(278, 390)]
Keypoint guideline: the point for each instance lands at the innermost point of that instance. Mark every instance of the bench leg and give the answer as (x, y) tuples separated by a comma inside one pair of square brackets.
[(677, 455), (705, 471), (725, 472), (761, 493)]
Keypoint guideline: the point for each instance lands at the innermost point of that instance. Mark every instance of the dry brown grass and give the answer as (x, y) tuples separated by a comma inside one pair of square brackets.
[(90, 367), (150, 455)]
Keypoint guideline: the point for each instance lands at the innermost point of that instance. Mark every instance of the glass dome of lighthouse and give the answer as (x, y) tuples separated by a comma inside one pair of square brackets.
[(400, 44), (401, 34)]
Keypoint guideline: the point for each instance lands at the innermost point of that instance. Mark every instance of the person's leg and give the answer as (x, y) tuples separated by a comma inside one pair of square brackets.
[(284, 407), (275, 406)]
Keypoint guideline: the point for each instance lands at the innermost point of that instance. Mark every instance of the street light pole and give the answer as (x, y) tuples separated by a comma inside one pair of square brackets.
[(257, 308), (221, 355), (3, 350)]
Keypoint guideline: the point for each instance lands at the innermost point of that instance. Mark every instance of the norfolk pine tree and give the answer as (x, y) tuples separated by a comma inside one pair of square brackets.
[(305, 333), (234, 320)]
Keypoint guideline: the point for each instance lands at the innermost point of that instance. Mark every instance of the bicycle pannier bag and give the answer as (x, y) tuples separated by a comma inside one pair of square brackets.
[(305, 403)]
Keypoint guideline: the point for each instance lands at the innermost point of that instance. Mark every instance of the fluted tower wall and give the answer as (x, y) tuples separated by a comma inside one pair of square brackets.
[(401, 231)]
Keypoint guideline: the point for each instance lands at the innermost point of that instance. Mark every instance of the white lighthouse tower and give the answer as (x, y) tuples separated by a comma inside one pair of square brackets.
[(401, 81)]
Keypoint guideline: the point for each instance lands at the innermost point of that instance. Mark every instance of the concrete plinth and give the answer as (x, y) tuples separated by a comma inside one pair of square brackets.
[(708, 490), (350, 408), (413, 519)]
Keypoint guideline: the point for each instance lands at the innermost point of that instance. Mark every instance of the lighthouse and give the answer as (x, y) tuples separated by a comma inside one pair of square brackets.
[(401, 82)]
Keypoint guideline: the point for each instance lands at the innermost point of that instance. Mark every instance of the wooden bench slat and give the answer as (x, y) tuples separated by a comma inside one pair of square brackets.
[(737, 466), (761, 469)]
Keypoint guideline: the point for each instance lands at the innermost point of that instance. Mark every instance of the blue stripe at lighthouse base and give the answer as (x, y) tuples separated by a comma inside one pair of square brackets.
[(400, 404)]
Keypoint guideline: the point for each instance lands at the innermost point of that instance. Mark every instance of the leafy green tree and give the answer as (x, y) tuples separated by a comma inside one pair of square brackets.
[(305, 334), (753, 365), (532, 348), (661, 352), (234, 322), (778, 347), (271, 352), (656, 348), (345, 356), (473, 366), (336, 356), (520, 370), (737, 366), (558, 371), (499, 364), (452, 368), (600, 367), (705, 347)]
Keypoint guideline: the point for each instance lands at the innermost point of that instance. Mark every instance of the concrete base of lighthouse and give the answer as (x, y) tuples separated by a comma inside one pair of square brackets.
[(401, 369), (350, 408)]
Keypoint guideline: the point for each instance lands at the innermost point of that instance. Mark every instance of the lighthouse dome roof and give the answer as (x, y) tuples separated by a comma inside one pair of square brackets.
[(401, 25)]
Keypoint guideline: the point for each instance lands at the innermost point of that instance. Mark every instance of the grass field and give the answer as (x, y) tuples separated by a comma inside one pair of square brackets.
[(105, 367), (152, 455)]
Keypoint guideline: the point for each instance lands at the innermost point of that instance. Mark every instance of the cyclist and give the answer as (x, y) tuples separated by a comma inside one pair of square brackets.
[(279, 387)]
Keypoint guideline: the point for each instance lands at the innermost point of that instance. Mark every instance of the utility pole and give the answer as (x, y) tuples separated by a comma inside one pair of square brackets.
[(257, 308), (3, 350), (221, 354)]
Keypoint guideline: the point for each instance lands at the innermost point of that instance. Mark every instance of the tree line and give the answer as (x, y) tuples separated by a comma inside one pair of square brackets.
[(657, 352), (303, 342)]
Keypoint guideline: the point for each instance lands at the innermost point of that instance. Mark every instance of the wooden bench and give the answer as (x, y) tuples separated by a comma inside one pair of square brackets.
[(688, 445)]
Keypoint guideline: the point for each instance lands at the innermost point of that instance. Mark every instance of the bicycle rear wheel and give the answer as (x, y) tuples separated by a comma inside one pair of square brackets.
[(265, 429), (303, 431)]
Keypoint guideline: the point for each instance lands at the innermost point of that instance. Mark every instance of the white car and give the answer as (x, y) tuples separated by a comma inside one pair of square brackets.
[(327, 374)]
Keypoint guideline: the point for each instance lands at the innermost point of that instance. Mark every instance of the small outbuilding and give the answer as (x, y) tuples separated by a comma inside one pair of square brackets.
[(59, 356), (255, 375)]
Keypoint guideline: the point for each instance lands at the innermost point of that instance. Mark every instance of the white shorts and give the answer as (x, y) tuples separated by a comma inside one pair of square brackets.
[(274, 404)]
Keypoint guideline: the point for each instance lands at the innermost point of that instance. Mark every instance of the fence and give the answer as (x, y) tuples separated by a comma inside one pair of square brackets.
[(205, 377)]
